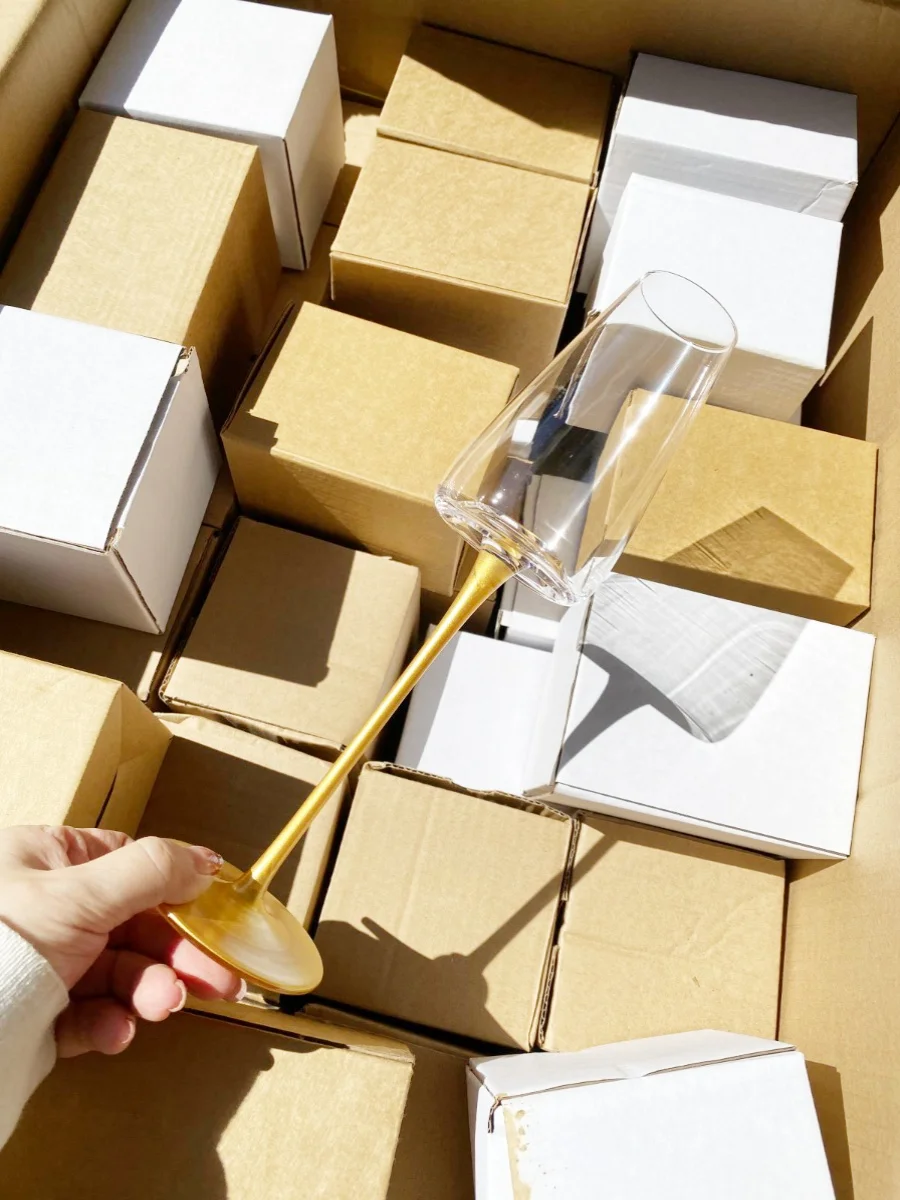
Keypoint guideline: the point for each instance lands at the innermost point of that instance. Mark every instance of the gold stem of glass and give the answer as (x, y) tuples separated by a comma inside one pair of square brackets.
[(487, 575)]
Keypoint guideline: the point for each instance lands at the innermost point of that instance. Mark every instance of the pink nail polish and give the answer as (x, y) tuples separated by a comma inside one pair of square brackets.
[(211, 861)]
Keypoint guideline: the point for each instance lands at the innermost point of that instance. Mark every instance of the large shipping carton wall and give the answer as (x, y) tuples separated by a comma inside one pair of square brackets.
[(851, 45), (47, 50), (841, 999)]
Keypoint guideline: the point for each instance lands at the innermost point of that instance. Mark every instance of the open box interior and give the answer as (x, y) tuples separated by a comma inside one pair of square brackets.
[(842, 961)]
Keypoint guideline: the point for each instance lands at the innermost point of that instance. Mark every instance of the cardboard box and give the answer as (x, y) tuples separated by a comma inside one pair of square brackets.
[(773, 270), (475, 254), (434, 1157), (311, 286), (478, 695), (766, 140), (705, 716), (442, 907), (700, 1115), (269, 78), (222, 507), (153, 231), (100, 501), (297, 640), (766, 513), (360, 131), (526, 618), (663, 933), (139, 660), (46, 50), (76, 749), (407, 409), (487, 101), (233, 791), (231, 1100)]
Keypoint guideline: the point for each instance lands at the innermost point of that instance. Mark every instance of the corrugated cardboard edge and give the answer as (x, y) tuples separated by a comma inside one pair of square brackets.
[(143, 742), (302, 1028)]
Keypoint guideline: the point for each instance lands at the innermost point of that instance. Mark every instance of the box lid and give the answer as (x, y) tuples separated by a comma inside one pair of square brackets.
[(482, 223), (297, 637), (69, 443), (490, 101), (663, 932), (780, 514), (729, 113), (442, 906), (368, 402), (773, 270), (255, 57)]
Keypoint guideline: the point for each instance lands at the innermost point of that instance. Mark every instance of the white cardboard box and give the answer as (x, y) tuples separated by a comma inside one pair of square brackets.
[(689, 1116), (773, 270), (471, 716), (107, 462), (705, 716), (249, 72), (777, 143)]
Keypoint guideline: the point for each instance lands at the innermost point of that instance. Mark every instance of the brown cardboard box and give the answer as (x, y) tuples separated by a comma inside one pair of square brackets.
[(154, 231), (360, 131), (298, 639), (488, 101), (139, 660), (442, 907), (75, 749), (763, 512), (46, 52), (661, 934), (231, 790), (311, 286), (349, 427), (472, 253), (230, 1100), (434, 1156), (222, 507)]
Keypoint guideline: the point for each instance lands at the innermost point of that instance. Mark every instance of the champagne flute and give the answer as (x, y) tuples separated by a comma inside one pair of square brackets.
[(550, 492)]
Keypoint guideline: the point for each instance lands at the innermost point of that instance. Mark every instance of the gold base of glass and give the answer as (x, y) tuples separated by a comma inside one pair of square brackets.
[(247, 930)]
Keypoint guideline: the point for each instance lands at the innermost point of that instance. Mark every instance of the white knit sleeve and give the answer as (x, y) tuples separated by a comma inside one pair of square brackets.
[(32, 996)]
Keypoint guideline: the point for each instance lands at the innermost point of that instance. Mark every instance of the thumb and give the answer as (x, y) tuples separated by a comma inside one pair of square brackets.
[(141, 875)]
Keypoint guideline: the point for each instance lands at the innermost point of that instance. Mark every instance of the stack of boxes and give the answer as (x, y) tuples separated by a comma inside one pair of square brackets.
[(580, 840)]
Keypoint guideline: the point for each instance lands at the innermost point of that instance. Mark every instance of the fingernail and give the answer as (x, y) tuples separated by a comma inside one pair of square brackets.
[(183, 999), (209, 862), (127, 1039)]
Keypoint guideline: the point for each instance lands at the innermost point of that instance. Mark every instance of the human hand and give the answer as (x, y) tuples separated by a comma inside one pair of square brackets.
[(84, 899)]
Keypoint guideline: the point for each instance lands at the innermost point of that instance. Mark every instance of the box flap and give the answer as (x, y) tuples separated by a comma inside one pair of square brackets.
[(489, 101), (68, 444), (174, 480), (228, 789), (520, 1075), (485, 224)]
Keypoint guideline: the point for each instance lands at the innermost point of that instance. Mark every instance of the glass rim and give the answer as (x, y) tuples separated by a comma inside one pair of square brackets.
[(716, 347)]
